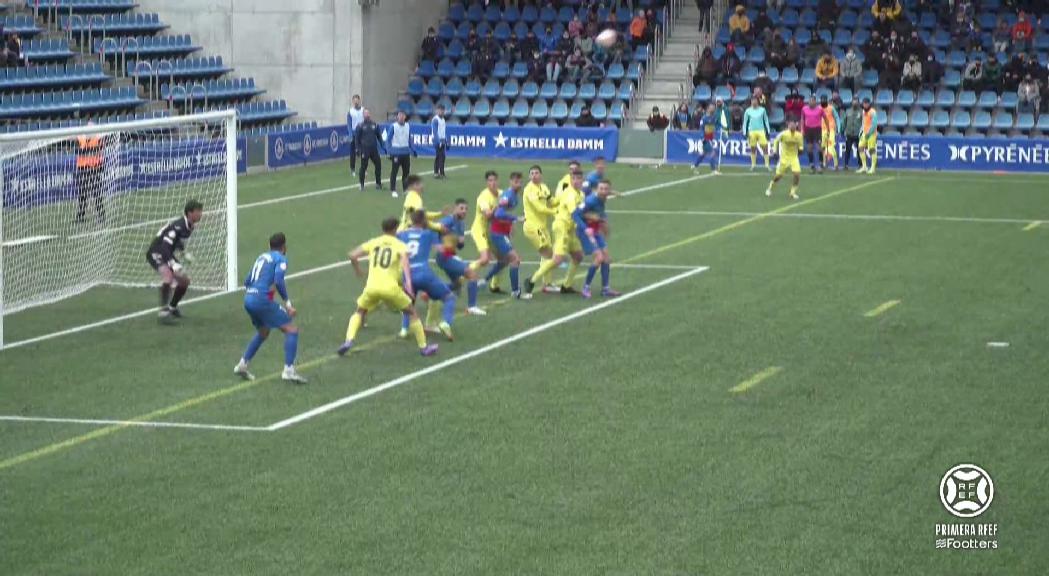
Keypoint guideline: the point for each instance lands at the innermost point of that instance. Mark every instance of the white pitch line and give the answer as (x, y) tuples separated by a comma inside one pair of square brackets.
[(478, 352), (873, 217), (662, 185), (140, 423)]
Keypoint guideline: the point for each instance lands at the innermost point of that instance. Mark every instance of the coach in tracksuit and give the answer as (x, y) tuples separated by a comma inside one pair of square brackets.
[(353, 120), (439, 131), (400, 151), (367, 141)]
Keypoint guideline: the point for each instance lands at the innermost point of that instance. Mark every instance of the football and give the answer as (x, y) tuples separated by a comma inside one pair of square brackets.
[(606, 38)]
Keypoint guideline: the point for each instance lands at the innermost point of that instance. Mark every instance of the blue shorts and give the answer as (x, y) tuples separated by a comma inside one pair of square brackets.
[(501, 243), (454, 266), (426, 281), (265, 313), (588, 246)]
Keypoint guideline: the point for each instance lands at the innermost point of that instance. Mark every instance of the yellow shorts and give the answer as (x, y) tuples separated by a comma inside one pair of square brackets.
[(791, 164), (480, 240), (392, 296), (757, 138), (537, 236), (565, 242), (869, 142), (828, 139)]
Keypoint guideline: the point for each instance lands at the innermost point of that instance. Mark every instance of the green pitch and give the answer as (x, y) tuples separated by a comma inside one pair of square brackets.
[(790, 410)]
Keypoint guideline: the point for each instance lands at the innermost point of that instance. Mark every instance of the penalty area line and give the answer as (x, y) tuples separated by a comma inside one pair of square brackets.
[(140, 423), (375, 390)]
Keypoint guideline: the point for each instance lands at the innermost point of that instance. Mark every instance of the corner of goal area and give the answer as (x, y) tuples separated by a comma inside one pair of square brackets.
[(681, 272)]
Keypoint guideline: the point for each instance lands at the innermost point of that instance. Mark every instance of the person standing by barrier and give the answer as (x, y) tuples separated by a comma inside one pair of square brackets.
[(812, 128), (89, 174), (439, 131), (400, 151), (367, 141), (852, 127), (353, 120)]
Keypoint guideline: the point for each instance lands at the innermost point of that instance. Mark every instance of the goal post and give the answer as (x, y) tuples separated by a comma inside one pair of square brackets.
[(79, 206)]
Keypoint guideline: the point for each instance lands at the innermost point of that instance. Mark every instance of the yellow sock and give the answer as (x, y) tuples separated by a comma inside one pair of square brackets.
[(753, 158), (475, 265), (415, 328), (874, 161), (573, 267), (354, 327), (863, 159), (433, 311), (548, 278), (793, 190), (766, 157), (546, 268)]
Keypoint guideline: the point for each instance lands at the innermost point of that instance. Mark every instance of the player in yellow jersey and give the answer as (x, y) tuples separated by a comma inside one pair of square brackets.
[(566, 241), (487, 202), (387, 265), (538, 208), (790, 143), (566, 180), (868, 148), (413, 200), (831, 122)]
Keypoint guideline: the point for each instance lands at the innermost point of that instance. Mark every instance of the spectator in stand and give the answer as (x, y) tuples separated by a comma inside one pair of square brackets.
[(992, 74), (657, 122), (793, 105), (835, 99), (793, 52), (704, 14), (584, 44), (431, 48), (615, 54), (885, 12), (739, 26), (915, 46), (638, 29), (827, 71), (530, 44), (972, 77), (815, 50), (681, 118), (912, 73), (586, 119), (1001, 35), (763, 25), (894, 46), (1015, 70), (890, 78), (1028, 95), (551, 55), (874, 50), (827, 12), (776, 50), (851, 70), (706, 69), (1022, 33), (730, 65), (852, 125), (579, 66), (575, 27), (13, 49), (932, 71), (777, 5), (763, 85)]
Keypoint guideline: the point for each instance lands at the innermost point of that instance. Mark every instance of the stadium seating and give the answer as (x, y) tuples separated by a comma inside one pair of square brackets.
[(53, 76), (52, 103)]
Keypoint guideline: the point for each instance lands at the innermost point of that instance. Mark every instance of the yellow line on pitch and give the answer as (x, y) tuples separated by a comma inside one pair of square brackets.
[(1033, 225), (881, 308), (756, 379), (752, 219)]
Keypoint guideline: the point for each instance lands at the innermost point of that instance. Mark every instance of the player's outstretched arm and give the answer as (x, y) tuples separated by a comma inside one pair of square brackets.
[(407, 271), (355, 258)]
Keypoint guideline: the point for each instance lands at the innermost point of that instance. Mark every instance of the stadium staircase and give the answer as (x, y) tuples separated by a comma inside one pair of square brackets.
[(102, 60)]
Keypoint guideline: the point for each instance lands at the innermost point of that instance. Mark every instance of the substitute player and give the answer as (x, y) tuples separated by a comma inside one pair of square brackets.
[(502, 226), (710, 127), (420, 240), (790, 143), (413, 201), (448, 259), (831, 125), (538, 208), (868, 151), (756, 127), (161, 255), (387, 265), (566, 243), (268, 274), (589, 219)]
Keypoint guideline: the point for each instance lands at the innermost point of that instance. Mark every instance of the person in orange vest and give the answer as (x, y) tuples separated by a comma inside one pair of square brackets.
[(89, 167)]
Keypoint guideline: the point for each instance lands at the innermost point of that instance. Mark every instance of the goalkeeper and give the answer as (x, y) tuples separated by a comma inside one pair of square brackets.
[(161, 255)]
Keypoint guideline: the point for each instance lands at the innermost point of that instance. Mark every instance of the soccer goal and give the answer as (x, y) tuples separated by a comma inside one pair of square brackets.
[(81, 206)]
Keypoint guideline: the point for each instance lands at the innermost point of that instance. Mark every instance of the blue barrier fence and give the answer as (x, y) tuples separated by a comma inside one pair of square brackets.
[(902, 152), (506, 142)]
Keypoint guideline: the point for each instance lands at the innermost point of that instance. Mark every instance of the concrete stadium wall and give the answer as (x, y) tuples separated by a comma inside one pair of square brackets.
[(313, 53)]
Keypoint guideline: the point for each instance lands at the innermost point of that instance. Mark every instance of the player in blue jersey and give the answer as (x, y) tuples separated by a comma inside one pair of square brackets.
[(267, 274), (708, 124), (501, 227), (448, 260), (420, 240), (590, 220), (594, 177)]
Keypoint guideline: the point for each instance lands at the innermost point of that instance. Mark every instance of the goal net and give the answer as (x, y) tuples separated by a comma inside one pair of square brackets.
[(81, 205)]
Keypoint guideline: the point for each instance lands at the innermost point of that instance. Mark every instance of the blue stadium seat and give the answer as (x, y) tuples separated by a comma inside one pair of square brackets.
[(626, 91), (599, 110), (808, 76), (529, 90), (462, 108), (548, 90), (472, 89), (702, 93), (568, 90), (435, 87), (588, 91), (961, 120), (982, 120), (463, 68), (883, 98), (940, 120), (501, 71), (988, 99), (540, 110), (606, 91), (1025, 121), (723, 93), (520, 110), (748, 74), (1009, 100), (492, 89), (426, 69), (742, 95), (967, 99), (1043, 124), (511, 89), (919, 119), (945, 98), (615, 71), (926, 98), (454, 88), (777, 117), (559, 111), (482, 109), (519, 71), (952, 78), (846, 97), (870, 79), (1003, 120), (501, 109)]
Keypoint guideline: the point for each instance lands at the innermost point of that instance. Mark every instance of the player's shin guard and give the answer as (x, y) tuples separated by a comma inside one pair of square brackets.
[(253, 347), (874, 160), (590, 273), (448, 311), (432, 310), (291, 348), (573, 268), (416, 330), (180, 291), (494, 271), (546, 269), (606, 272), (165, 294), (471, 294), (515, 279), (354, 327), (863, 159)]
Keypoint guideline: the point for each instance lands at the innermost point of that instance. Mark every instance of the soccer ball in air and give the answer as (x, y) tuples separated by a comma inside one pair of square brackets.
[(606, 38)]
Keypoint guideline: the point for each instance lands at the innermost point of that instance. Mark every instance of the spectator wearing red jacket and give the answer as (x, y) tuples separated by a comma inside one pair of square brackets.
[(1022, 33)]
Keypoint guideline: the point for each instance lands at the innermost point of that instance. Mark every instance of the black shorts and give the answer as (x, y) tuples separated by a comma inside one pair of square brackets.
[(156, 259), (813, 135)]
